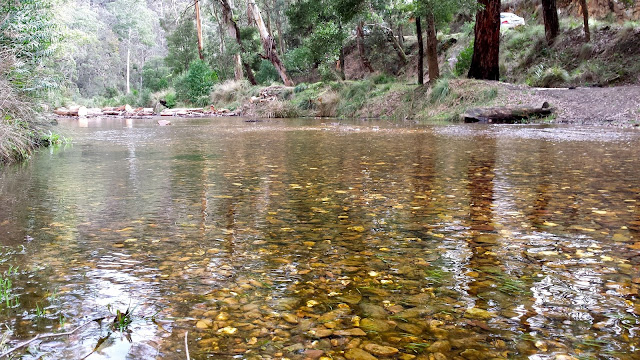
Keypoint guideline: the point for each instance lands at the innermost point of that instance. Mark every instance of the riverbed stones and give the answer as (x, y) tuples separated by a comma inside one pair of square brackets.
[(352, 299), (441, 346), (313, 354), (374, 311), (412, 329), (377, 325), (380, 350), (479, 314), (204, 324), (473, 354), (290, 318), (358, 354), (320, 332), (350, 332)]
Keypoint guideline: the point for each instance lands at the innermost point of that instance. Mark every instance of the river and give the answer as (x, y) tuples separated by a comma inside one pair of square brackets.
[(311, 238)]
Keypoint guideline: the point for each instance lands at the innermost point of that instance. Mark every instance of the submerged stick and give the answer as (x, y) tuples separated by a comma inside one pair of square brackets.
[(186, 346), (48, 335)]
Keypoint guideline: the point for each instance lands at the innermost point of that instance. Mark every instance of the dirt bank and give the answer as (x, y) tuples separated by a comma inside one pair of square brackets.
[(612, 106)]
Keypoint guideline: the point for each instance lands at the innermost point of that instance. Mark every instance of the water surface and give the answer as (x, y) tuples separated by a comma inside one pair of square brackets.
[(284, 239)]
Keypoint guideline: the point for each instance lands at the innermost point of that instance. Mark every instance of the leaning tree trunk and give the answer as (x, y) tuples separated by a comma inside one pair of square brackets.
[(361, 52), (485, 63), (585, 16), (397, 46), (432, 48), (550, 15), (199, 29), (420, 52), (268, 44), (234, 33)]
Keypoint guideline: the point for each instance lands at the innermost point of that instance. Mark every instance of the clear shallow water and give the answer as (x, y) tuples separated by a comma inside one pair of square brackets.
[(282, 239)]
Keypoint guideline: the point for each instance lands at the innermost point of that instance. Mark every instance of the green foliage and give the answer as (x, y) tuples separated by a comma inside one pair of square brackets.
[(443, 10), (354, 96), (382, 79), (319, 25), (547, 77), (195, 84), (134, 21), (463, 61), (155, 76), (182, 46), (172, 100), (298, 59), (440, 90), (325, 42), (27, 29), (468, 28), (267, 73)]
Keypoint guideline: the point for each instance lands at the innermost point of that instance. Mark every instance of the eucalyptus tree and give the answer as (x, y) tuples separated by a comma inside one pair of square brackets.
[(436, 13), (268, 43), (485, 62), (585, 17), (550, 16), (181, 49), (320, 28), (134, 26)]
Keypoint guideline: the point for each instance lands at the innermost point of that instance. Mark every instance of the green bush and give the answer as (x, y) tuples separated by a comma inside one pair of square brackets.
[(440, 90), (172, 100), (155, 76), (382, 79), (298, 60), (195, 84), (464, 61), (267, 73)]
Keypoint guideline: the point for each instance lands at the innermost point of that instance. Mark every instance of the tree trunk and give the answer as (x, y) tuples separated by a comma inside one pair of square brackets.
[(220, 29), (432, 49), (400, 35), (361, 52), (199, 29), (485, 63), (550, 15), (280, 38), (397, 47), (343, 74), (234, 33), (420, 51), (129, 62), (268, 44), (585, 16)]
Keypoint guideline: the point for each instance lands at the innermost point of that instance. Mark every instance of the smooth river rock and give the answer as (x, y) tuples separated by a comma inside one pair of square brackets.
[(359, 354), (380, 350)]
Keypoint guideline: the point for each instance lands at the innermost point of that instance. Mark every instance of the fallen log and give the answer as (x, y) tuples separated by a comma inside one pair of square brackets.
[(94, 112), (506, 114), (61, 111), (79, 111)]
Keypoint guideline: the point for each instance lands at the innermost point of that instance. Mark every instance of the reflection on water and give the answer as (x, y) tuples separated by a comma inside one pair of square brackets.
[(298, 239)]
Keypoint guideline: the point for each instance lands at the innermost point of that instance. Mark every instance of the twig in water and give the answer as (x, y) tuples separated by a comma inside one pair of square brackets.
[(48, 335), (186, 346)]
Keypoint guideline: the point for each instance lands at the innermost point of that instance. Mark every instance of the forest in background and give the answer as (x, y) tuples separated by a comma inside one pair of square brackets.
[(185, 52)]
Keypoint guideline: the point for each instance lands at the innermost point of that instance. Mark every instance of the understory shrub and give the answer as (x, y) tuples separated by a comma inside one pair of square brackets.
[(194, 85), (463, 62)]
